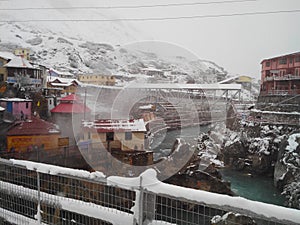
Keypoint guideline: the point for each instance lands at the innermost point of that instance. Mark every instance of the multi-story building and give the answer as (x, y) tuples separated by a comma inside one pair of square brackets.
[(19, 70), (5, 57), (97, 79), (281, 75)]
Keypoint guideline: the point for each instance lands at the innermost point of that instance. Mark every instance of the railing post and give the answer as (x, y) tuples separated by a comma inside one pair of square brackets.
[(141, 203), (38, 215)]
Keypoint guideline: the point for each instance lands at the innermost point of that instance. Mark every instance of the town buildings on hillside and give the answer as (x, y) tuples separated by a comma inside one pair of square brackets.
[(97, 79), (281, 75)]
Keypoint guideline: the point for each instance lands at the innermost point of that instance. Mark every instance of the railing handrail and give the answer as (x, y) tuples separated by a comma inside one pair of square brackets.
[(152, 185)]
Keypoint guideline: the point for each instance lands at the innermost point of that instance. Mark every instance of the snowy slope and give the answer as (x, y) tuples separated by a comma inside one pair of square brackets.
[(93, 47)]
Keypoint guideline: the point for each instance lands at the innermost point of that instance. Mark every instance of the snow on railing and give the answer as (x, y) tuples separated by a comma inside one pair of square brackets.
[(62, 195)]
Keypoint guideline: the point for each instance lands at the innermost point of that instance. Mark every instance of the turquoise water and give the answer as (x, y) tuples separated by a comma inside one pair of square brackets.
[(257, 188)]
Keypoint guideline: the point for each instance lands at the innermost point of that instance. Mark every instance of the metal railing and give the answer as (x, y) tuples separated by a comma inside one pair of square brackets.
[(35, 193)]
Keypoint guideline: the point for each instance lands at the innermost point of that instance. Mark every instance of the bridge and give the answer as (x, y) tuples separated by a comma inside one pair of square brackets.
[(36, 193)]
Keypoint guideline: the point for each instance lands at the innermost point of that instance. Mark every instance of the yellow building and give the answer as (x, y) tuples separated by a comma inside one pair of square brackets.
[(5, 57), (244, 79), (124, 135), (97, 79), (25, 53), (35, 132)]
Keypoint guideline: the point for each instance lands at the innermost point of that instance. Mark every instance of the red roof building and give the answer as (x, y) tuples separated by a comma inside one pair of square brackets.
[(71, 104), (33, 132), (281, 75)]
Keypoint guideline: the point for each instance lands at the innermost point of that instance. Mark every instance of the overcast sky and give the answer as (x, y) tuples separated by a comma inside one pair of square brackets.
[(237, 43)]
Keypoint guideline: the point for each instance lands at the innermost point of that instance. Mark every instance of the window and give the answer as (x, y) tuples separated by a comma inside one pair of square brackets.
[(282, 61), (89, 135), (297, 58), (1, 77), (1, 63), (297, 72), (128, 136), (291, 60), (110, 136), (268, 63), (27, 105)]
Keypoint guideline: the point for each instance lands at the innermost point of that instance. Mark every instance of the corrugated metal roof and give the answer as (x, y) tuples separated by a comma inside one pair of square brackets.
[(70, 108), (35, 126)]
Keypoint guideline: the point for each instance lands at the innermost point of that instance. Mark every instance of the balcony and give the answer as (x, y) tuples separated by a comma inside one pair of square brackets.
[(280, 92), (285, 77)]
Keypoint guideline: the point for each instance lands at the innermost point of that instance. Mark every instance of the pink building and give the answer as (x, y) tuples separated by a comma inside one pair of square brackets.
[(281, 75), (18, 107)]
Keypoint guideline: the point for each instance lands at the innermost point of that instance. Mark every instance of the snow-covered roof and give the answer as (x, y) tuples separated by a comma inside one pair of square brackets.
[(61, 84), (7, 55), (19, 62), (64, 73), (121, 125), (228, 79), (61, 80), (14, 100), (215, 86)]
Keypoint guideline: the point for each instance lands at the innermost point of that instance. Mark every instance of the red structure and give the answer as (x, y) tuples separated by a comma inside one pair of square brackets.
[(281, 75)]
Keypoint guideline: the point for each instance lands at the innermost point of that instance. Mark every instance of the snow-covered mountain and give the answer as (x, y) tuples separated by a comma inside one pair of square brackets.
[(94, 47)]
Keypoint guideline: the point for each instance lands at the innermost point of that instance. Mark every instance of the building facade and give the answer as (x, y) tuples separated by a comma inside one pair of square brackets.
[(35, 132), (97, 79), (124, 135), (18, 107), (5, 57), (20, 71), (281, 75)]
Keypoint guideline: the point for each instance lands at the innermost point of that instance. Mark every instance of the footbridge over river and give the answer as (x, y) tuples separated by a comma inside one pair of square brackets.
[(189, 103)]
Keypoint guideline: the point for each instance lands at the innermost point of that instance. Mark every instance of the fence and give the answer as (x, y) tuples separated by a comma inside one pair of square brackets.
[(35, 193)]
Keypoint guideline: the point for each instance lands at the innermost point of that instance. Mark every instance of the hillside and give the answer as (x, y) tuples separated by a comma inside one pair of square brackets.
[(95, 47)]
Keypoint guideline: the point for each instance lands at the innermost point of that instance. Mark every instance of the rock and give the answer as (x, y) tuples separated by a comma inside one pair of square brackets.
[(35, 41), (62, 40), (233, 152), (231, 218)]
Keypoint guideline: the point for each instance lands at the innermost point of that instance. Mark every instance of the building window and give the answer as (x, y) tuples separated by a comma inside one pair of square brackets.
[(89, 135), (297, 58), (296, 72), (282, 61), (291, 60), (27, 105), (110, 136), (267, 63), (128, 136), (1, 77)]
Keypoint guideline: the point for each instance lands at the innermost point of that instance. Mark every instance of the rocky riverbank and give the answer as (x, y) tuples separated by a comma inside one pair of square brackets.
[(268, 150)]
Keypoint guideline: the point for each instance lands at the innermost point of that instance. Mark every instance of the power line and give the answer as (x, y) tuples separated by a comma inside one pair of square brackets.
[(157, 18), (127, 7)]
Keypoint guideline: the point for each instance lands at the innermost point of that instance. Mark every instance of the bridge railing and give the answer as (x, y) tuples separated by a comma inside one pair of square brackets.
[(35, 193)]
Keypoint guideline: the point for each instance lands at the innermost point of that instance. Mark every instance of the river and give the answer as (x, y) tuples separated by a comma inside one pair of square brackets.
[(257, 188)]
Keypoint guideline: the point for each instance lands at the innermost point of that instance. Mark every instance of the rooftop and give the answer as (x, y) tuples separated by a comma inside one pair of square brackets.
[(35, 126), (285, 55), (15, 100), (111, 125), (7, 55), (19, 62), (70, 108)]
